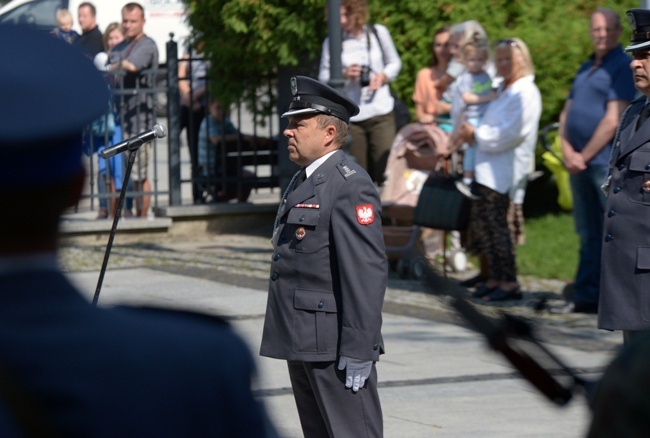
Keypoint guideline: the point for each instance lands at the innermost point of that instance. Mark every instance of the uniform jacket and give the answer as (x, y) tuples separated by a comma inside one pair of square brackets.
[(328, 270), (625, 274), (123, 372)]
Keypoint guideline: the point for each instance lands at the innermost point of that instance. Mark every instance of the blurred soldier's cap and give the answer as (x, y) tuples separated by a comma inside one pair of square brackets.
[(48, 92), (311, 96), (639, 20)]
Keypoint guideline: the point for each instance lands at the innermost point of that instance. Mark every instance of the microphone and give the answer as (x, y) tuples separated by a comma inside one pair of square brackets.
[(158, 131)]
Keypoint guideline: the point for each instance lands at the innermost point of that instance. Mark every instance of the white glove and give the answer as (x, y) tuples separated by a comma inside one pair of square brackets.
[(357, 371)]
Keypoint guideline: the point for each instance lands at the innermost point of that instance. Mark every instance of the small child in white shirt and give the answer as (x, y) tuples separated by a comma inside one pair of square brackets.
[(475, 91)]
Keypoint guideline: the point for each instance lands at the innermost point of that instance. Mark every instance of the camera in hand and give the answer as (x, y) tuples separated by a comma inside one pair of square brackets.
[(365, 76)]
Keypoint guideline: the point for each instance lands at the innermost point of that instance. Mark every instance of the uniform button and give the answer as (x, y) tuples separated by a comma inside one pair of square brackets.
[(621, 166), (617, 189), (275, 276), (302, 219), (647, 167), (609, 237), (276, 257), (320, 305), (375, 347), (611, 213)]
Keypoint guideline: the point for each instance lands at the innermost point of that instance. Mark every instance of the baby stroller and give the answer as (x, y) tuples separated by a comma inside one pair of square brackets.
[(415, 153)]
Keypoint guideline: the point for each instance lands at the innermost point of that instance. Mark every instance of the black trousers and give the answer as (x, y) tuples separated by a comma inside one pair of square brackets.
[(330, 410)]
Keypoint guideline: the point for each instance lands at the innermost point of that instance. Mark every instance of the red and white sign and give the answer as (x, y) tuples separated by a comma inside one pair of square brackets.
[(365, 214)]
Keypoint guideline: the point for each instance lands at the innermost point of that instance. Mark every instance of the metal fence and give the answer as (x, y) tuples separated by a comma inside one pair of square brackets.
[(238, 163)]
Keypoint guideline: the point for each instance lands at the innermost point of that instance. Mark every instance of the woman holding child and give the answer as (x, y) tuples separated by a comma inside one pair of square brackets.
[(505, 140)]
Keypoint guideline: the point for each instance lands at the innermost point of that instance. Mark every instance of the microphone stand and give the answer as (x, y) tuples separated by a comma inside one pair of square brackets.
[(133, 149)]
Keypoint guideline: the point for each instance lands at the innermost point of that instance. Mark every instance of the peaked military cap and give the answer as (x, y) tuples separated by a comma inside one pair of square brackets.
[(48, 92), (639, 20), (311, 96)]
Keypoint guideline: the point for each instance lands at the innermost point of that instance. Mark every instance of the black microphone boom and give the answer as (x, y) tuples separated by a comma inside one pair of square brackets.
[(158, 131)]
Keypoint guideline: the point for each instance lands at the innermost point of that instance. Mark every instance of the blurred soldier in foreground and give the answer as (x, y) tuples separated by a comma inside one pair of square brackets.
[(621, 406), (68, 368)]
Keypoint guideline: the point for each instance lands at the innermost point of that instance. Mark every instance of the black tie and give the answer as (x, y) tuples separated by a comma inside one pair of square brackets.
[(302, 176), (296, 180), (645, 114)]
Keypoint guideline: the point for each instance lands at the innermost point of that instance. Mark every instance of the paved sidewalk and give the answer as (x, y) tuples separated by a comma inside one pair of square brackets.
[(437, 377)]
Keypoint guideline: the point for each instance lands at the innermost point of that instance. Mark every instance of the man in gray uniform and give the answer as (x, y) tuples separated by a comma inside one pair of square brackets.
[(328, 274), (625, 278)]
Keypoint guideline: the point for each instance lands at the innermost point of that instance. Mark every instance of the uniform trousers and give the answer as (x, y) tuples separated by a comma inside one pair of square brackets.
[(631, 335), (330, 410)]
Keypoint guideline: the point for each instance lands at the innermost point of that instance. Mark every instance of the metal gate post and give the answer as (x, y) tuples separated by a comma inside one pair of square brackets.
[(174, 122)]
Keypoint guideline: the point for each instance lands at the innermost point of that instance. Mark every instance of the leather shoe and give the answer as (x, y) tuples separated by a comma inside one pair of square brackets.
[(482, 291), (474, 281), (572, 307), (499, 294)]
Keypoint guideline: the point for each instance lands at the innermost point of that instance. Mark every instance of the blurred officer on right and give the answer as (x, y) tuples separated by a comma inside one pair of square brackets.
[(625, 280)]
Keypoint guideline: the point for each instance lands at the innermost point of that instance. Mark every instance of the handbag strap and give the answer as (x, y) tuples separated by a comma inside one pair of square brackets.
[(383, 54)]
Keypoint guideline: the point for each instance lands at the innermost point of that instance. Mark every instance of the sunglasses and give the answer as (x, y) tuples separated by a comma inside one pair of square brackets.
[(508, 42)]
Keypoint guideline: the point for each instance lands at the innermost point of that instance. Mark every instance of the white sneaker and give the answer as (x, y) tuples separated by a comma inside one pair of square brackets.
[(465, 190)]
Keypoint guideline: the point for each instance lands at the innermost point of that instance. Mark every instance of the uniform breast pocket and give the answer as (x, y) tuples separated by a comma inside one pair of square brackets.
[(315, 321), (637, 180), (305, 236)]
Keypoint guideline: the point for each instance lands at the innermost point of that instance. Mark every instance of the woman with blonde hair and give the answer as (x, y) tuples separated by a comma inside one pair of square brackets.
[(506, 139), (113, 35)]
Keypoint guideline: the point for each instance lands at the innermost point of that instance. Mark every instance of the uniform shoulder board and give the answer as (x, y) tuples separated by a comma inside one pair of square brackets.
[(346, 169)]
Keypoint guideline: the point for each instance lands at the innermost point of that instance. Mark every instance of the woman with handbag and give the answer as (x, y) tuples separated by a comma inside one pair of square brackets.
[(370, 61), (506, 139)]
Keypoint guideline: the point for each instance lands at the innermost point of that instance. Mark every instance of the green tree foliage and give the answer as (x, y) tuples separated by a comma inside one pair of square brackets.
[(247, 40)]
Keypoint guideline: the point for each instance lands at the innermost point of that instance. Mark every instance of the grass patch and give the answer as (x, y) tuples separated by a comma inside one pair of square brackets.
[(551, 248)]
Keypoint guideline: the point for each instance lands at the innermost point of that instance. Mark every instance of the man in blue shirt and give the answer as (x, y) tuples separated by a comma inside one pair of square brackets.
[(601, 90)]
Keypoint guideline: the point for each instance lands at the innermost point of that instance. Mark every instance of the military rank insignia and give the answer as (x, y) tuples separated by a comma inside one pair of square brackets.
[(365, 214)]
